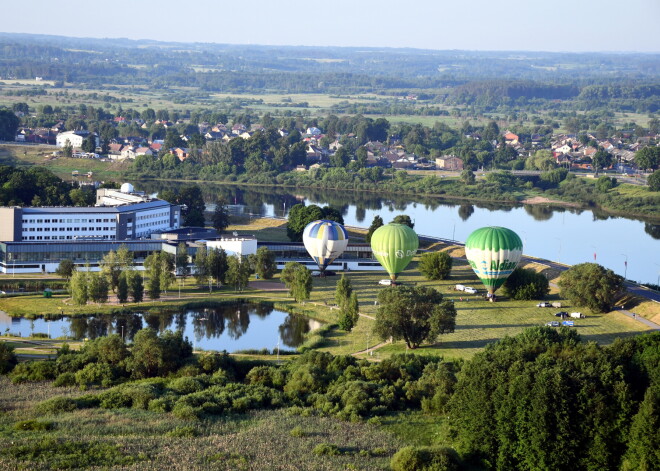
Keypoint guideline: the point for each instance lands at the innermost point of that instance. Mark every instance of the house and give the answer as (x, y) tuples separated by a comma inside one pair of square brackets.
[(563, 149), (182, 153), (127, 152), (143, 151), (449, 162), (314, 154), (589, 151), (511, 138), (313, 131)]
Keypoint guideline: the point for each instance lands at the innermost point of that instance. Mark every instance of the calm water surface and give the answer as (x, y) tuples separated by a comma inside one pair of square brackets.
[(230, 327), (628, 246)]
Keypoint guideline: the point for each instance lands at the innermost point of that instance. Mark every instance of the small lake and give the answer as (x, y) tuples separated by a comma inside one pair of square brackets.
[(227, 327)]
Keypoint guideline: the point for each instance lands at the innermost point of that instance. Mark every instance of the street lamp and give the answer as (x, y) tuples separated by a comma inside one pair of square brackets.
[(559, 257), (625, 272)]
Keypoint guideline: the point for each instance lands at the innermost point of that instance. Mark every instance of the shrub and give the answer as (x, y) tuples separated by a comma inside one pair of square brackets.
[(325, 449), (7, 358), (34, 425), (526, 284), (100, 374), (56, 405), (435, 265), (297, 432), (65, 379), (425, 459), (185, 385), (34, 371)]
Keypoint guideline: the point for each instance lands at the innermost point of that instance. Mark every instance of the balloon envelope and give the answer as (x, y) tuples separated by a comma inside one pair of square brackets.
[(325, 241), (493, 254), (394, 246)]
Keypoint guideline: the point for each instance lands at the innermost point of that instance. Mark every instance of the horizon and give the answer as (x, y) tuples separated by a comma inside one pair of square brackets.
[(560, 26)]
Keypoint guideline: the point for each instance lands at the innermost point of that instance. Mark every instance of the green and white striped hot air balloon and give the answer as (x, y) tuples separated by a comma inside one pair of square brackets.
[(493, 253), (394, 246)]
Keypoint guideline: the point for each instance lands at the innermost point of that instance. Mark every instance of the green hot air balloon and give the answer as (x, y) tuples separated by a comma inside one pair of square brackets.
[(394, 246), (493, 253)]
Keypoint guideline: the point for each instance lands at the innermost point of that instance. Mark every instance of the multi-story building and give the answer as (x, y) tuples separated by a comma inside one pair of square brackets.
[(119, 216)]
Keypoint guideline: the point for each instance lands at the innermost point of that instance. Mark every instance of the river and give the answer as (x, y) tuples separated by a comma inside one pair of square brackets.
[(630, 247)]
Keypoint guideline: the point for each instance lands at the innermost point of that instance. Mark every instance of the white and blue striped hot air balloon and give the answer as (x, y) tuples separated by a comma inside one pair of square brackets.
[(325, 241)]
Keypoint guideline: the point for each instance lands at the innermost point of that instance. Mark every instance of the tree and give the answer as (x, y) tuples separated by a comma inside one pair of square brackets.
[(220, 219), (654, 181), (467, 177), (7, 358), (600, 160), (298, 279), (122, 288), (301, 215), (78, 287), (605, 183), (375, 224), (591, 285), (166, 270), (8, 125), (238, 272), (349, 313), (526, 284), (643, 453), (435, 265), (181, 260), (217, 265), (89, 144), (135, 286), (263, 263), (190, 196), (404, 219), (67, 150), (343, 290), (648, 157), (200, 262), (111, 268), (153, 267), (414, 314), (66, 268), (97, 287)]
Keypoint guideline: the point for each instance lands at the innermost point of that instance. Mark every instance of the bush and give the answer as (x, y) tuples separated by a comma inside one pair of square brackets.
[(56, 405), (325, 449), (34, 425), (65, 379), (34, 371), (435, 265), (425, 459), (297, 432), (7, 358), (526, 284), (100, 374)]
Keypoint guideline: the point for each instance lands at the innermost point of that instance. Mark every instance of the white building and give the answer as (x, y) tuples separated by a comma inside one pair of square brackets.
[(242, 246), (75, 138)]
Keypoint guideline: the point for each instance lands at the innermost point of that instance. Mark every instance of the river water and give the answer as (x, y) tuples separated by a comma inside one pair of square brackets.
[(231, 327), (630, 247)]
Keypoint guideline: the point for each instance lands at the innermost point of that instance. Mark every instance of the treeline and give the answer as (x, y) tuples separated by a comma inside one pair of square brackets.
[(540, 400), (37, 186)]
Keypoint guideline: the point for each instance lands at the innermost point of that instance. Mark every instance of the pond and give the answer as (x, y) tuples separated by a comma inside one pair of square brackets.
[(231, 327)]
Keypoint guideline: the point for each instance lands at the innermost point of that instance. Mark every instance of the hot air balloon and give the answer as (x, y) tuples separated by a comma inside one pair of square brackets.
[(394, 246), (325, 241), (493, 253)]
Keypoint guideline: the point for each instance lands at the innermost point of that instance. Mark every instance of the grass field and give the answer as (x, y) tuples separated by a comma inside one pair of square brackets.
[(260, 440)]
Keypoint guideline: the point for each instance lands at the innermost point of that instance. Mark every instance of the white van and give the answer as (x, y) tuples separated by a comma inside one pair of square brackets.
[(459, 288), (577, 315), (471, 290)]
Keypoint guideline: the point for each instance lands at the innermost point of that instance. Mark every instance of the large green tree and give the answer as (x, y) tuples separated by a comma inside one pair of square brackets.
[(220, 219), (654, 181), (66, 268), (413, 313), (648, 158), (238, 272), (263, 263), (592, 286), (375, 224), (8, 125), (404, 219), (298, 279), (526, 284), (301, 215)]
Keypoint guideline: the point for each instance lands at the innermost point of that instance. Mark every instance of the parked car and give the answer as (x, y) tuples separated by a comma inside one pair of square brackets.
[(552, 324), (471, 290), (459, 288), (561, 314), (385, 282), (577, 315), (544, 304), (556, 304), (568, 323)]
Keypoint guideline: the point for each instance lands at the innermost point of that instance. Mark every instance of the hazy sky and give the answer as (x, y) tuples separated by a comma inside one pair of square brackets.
[(532, 25)]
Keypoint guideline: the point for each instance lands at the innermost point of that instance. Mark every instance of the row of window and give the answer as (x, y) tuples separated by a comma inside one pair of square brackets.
[(154, 215), (67, 229), (155, 223), (48, 221), (59, 237)]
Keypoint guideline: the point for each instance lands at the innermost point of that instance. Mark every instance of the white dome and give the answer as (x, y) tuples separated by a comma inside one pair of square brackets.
[(127, 188)]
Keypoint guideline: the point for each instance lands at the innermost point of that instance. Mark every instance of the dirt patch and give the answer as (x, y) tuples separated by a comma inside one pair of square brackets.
[(544, 200), (268, 285)]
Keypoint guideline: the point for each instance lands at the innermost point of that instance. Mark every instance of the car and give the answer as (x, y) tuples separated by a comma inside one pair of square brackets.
[(552, 324), (544, 304), (561, 314), (386, 282), (471, 290), (577, 315)]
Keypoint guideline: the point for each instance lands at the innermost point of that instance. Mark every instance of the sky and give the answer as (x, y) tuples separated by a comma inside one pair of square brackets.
[(502, 25)]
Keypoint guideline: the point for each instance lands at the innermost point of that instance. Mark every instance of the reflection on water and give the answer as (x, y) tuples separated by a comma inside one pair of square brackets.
[(230, 327)]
